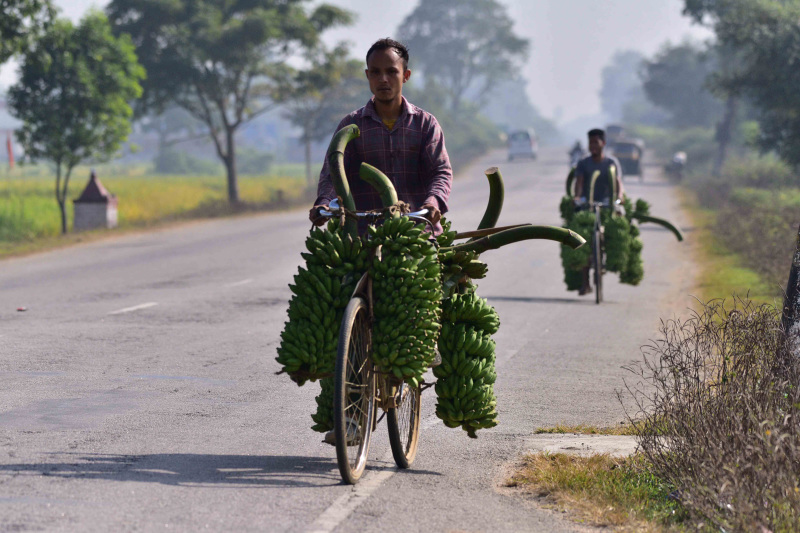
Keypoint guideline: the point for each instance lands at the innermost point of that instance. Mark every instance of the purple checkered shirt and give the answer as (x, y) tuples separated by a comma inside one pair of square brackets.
[(412, 155)]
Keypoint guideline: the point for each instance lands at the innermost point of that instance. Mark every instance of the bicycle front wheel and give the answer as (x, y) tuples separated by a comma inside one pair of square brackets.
[(403, 422), (354, 397), (597, 252)]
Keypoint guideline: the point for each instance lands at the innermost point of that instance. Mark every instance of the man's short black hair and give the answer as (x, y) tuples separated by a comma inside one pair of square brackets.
[(597, 132), (387, 43)]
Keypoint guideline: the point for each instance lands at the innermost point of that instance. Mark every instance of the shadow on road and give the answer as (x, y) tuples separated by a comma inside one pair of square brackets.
[(192, 470), (198, 470), (543, 300)]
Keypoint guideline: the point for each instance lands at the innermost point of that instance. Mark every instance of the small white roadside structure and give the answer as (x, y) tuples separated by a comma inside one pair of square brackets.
[(95, 208)]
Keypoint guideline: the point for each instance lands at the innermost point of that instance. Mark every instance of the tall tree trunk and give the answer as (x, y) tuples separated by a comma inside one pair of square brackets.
[(61, 200), (230, 166), (725, 133), (309, 177)]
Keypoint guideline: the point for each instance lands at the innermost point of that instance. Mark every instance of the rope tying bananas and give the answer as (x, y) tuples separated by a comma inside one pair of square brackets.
[(407, 295)]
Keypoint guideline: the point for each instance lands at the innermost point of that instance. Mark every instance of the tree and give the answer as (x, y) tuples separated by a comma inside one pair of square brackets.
[(763, 37), (20, 22), (73, 96), (219, 59), (677, 80), (620, 82), (320, 96), (464, 44)]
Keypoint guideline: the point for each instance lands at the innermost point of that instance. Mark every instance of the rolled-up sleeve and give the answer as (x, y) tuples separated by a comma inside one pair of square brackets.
[(439, 173)]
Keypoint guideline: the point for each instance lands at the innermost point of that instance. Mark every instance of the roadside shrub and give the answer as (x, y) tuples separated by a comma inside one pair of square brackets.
[(765, 172), (253, 162), (179, 163), (760, 226), (718, 415)]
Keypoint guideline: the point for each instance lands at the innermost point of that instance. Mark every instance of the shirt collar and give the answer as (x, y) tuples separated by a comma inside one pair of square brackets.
[(406, 109)]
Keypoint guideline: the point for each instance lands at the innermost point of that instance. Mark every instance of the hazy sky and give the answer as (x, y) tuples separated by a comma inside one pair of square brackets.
[(572, 40)]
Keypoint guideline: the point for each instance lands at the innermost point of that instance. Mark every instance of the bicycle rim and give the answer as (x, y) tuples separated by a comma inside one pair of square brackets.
[(403, 422), (354, 400)]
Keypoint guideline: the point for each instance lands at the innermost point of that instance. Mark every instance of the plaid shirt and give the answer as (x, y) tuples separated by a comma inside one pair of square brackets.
[(412, 155)]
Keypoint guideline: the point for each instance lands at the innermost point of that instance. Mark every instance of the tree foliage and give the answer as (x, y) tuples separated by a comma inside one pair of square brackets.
[(764, 35), (219, 59), (73, 96), (316, 99), (620, 82), (622, 97), (20, 22), (464, 44), (676, 80)]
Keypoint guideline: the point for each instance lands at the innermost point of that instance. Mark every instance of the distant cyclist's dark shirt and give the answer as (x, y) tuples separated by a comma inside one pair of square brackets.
[(602, 186)]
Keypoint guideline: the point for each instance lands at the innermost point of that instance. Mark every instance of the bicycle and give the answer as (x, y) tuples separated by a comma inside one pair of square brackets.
[(597, 263), (360, 388), (598, 253)]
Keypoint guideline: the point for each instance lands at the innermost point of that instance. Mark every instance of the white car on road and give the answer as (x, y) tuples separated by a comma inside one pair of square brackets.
[(522, 143)]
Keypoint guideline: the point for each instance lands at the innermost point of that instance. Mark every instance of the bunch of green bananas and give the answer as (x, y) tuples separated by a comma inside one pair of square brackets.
[(321, 291), (407, 294), (457, 264), (471, 309), (622, 245), (464, 389), (323, 418)]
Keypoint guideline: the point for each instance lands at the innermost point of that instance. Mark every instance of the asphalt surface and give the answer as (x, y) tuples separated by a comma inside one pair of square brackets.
[(138, 390)]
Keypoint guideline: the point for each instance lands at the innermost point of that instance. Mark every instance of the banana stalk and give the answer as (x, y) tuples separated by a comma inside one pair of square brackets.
[(661, 222), (496, 196), (570, 182), (335, 157), (381, 183), (498, 240), (612, 177)]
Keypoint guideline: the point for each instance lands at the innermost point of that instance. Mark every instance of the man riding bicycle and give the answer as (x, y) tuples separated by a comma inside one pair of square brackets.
[(398, 138), (609, 168)]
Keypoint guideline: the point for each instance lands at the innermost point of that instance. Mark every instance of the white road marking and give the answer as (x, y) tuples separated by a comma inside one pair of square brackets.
[(345, 504), (349, 501), (134, 308), (239, 283)]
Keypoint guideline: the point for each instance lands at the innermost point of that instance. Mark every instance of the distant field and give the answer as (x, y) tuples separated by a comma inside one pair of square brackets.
[(29, 212)]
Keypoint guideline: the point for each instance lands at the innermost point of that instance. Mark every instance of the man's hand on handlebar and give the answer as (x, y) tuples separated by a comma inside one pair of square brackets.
[(315, 217), (434, 215)]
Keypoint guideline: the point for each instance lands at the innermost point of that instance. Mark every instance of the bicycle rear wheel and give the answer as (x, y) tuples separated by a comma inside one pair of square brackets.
[(597, 253), (403, 422), (354, 397)]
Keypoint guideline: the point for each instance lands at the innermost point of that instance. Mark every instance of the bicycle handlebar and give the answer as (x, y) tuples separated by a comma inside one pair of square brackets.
[(336, 211)]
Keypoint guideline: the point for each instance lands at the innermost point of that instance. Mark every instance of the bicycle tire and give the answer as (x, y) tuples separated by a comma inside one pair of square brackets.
[(354, 397), (403, 422), (597, 252)]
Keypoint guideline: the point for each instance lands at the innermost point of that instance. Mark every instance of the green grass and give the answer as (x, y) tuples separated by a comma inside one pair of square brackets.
[(601, 490), (721, 272), (30, 220)]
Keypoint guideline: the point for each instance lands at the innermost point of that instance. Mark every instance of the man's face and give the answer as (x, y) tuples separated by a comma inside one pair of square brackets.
[(386, 75), (596, 145)]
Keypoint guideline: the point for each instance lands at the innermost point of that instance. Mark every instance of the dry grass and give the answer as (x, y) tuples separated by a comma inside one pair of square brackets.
[(581, 429), (720, 405), (601, 490)]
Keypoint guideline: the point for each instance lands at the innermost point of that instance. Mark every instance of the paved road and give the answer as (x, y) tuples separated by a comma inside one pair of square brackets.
[(137, 392)]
